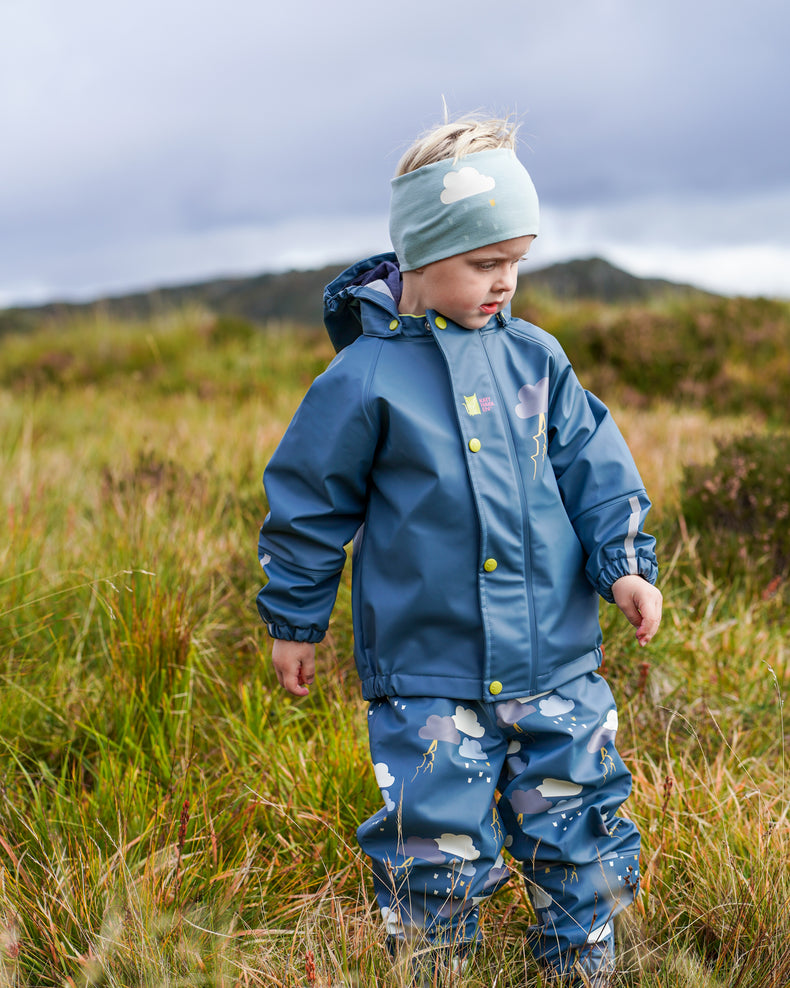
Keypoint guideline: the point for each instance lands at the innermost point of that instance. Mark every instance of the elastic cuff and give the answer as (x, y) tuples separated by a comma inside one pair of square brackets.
[(612, 573), (289, 634)]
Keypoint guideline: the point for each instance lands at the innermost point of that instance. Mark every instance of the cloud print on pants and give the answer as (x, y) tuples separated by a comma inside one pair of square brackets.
[(559, 788), (440, 729), (508, 714), (466, 720), (423, 848), (603, 734), (384, 777), (472, 749), (458, 846), (466, 182), (555, 706), (529, 802), (533, 399), (497, 875)]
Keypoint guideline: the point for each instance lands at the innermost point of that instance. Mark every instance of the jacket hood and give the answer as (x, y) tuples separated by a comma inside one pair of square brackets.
[(376, 279)]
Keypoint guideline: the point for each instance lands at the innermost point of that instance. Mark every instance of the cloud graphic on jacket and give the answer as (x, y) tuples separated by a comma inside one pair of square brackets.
[(603, 734), (555, 706), (467, 181), (466, 720), (458, 846), (472, 749), (533, 399), (384, 777), (440, 729)]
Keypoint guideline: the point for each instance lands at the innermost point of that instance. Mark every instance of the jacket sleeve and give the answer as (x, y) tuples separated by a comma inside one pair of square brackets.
[(316, 485), (600, 485)]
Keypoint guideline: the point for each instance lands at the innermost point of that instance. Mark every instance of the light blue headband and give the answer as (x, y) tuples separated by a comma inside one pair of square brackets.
[(452, 206)]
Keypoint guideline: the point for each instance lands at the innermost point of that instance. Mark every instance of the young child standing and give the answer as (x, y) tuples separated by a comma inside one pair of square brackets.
[(491, 500)]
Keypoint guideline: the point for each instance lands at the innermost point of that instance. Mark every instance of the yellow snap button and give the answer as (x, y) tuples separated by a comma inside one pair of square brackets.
[(490, 565), (475, 445), (394, 324), (495, 687), (441, 322)]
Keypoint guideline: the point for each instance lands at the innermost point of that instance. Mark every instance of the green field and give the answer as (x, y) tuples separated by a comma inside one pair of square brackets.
[(170, 817)]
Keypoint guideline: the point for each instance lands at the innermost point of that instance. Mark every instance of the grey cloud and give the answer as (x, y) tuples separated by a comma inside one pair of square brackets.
[(529, 802), (440, 729)]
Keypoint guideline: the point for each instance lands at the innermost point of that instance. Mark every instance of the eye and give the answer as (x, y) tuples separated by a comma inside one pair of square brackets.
[(487, 265)]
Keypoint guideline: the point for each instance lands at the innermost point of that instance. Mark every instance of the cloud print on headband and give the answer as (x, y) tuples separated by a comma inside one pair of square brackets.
[(464, 183), (448, 207)]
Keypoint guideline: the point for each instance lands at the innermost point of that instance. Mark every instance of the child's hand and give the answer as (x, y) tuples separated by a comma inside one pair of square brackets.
[(294, 663), (641, 603)]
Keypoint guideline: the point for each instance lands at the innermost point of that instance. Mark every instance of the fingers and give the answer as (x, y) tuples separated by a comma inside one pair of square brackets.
[(294, 665), (641, 603)]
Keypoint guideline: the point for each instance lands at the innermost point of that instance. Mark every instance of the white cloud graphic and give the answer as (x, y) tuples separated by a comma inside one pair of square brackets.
[(384, 777), (555, 706), (392, 923), (388, 801), (558, 789), (466, 720), (472, 749), (467, 181), (458, 846), (602, 735), (265, 559), (533, 399), (514, 747)]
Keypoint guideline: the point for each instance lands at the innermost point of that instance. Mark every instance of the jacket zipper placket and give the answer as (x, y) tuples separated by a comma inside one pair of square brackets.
[(524, 515)]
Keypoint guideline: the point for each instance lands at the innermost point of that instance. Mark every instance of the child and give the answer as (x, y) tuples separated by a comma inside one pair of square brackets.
[(490, 500)]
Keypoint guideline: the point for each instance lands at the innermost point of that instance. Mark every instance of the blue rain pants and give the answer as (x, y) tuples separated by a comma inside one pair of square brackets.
[(463, 780)]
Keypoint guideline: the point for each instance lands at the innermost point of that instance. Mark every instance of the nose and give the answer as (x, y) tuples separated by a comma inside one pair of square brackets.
[(507, 276)]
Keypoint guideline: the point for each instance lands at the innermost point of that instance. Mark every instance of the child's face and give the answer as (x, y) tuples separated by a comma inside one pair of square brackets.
[(467, 288)]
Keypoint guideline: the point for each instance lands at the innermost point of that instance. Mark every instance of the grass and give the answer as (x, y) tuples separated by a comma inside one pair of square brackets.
[(169, 817)]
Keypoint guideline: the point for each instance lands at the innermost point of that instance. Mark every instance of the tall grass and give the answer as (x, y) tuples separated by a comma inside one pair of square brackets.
[(170, 817)]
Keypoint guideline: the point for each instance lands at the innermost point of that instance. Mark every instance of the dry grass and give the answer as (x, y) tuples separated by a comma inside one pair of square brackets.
[(170, 818)]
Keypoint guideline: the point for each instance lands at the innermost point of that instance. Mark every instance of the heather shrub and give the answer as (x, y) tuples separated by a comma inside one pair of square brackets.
[(739, 505), (725, 355)]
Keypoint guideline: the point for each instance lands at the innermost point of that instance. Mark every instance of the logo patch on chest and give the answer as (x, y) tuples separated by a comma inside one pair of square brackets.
[(476, 406)]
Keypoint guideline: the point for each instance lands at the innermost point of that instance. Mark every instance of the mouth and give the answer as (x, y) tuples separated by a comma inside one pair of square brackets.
[(490, 308)]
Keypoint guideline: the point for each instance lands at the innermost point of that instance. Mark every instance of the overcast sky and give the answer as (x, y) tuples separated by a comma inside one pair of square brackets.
[(154, 142)]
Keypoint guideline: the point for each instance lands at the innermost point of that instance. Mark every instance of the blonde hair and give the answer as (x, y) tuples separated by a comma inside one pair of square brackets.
[(456, 139)]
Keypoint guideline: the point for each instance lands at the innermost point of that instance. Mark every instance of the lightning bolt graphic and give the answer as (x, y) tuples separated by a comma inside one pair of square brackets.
[(540, 443)]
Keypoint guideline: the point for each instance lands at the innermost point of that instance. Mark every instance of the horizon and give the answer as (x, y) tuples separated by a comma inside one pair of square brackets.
[(150, 288)]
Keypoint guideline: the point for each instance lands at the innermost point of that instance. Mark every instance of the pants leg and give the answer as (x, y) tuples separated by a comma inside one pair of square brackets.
[(436, 845), (565, 784)]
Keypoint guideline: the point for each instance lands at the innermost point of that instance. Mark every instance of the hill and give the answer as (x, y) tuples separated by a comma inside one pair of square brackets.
[(295, 296)]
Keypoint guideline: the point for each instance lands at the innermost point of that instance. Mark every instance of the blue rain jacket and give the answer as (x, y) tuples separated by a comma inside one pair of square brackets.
[(489, 497)]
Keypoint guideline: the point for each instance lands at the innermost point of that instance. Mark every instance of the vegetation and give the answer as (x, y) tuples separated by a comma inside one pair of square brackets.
[(170, 817)]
